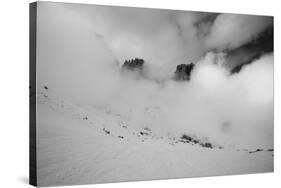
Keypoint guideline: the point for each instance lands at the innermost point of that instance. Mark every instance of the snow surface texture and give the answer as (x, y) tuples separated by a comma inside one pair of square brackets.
[(90, 144)]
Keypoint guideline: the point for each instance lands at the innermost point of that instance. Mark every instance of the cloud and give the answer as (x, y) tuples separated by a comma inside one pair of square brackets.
[(80, 47), (164, 38), (203, 106), (233, 30)]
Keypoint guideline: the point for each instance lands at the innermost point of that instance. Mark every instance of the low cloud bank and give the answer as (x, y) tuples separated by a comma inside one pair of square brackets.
[(232, 110)]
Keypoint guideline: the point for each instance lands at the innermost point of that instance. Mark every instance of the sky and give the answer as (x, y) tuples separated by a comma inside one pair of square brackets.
[(80, 49)]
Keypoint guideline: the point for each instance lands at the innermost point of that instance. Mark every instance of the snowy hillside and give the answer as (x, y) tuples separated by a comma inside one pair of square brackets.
[(90, 144)]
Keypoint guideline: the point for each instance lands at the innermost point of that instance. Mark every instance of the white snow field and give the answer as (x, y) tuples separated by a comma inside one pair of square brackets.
[(82, 145)]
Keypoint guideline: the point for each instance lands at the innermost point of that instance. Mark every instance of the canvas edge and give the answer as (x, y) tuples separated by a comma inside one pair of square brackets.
[(32, 94)]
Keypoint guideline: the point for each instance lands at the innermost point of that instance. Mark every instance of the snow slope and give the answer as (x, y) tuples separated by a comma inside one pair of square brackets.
[(81, 145)]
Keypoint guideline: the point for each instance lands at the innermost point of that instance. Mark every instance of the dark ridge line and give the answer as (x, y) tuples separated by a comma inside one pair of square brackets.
[(260, 45), (258, 150)]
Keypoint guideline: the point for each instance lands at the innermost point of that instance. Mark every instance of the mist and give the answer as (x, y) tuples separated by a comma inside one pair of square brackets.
[(231, 110), (81, 56)]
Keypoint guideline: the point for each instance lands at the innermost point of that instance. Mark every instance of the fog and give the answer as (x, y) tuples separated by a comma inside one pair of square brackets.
[(82, 49)]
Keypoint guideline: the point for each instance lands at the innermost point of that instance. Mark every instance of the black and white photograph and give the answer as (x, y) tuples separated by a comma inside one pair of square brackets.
[(120, 94)]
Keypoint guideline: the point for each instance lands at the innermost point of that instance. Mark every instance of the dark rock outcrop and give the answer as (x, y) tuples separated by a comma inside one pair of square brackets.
[(133, 64), (183, 72), (207, 145), (186, 139), (193, 140), (106, 131)]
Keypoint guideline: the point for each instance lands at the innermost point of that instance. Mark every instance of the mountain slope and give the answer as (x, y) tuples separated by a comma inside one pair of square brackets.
[(80, 145)]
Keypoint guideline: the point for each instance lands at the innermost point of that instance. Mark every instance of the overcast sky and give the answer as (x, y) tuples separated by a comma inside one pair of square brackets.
[(80, 49)]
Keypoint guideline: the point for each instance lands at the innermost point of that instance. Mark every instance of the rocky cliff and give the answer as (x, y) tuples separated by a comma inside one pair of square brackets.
[(183, 72)]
